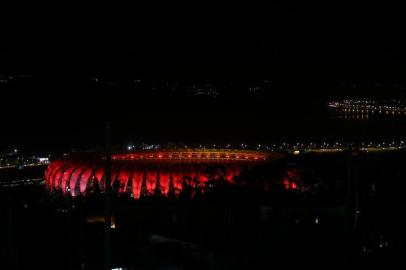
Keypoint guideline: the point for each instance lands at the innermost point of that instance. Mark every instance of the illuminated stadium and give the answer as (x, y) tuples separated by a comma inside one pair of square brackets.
[(162, 172)]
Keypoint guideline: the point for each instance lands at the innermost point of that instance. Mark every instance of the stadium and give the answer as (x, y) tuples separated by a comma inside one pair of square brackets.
[(162, 172)]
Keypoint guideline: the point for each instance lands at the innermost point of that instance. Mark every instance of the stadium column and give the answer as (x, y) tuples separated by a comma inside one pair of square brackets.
[(107, 194)]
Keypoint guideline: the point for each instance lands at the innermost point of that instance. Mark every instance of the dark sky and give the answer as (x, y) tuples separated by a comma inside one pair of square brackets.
[(92, 36), (305, 48)]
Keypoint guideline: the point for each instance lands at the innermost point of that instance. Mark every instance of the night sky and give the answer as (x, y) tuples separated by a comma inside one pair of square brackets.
[(305, 50)]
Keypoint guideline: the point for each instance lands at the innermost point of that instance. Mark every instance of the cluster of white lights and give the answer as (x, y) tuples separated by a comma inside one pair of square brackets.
[(367, 105)]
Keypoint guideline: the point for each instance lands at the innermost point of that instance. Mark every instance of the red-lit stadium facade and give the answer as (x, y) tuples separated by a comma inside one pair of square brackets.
[(151, 172)]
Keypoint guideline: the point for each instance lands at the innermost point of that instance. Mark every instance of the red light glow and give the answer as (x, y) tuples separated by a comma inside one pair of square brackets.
[(144, 173)]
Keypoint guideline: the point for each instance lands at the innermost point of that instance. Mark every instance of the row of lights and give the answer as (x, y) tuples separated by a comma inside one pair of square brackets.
[(287, 146), (190, 156)]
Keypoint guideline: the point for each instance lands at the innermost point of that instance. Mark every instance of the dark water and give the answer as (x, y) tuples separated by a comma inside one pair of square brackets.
[(234, 125), (47, 115)]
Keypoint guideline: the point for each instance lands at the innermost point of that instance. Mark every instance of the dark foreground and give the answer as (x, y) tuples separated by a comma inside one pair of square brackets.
[(220, 231)]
